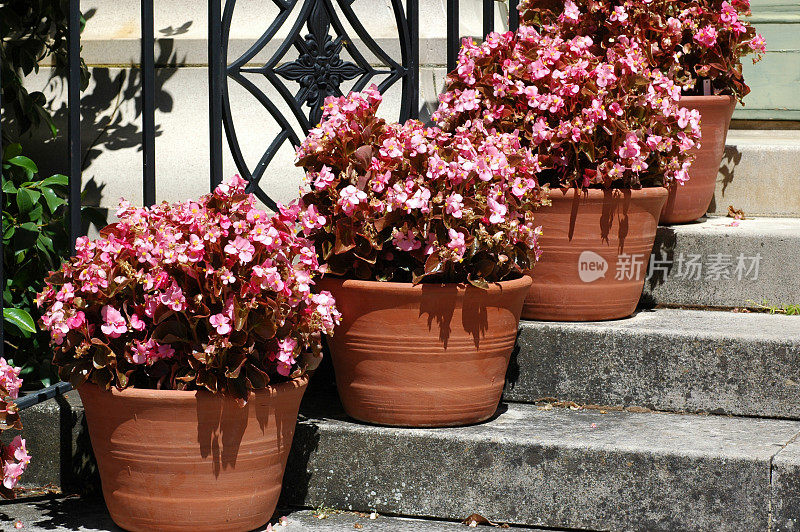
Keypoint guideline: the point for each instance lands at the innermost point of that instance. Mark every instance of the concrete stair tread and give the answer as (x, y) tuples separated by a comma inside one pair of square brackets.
[(789, 138), (63, 514), (556, 468)]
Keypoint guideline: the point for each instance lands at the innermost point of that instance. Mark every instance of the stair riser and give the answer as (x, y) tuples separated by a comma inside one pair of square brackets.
[(678, 371), (570, 484), (774, 244)]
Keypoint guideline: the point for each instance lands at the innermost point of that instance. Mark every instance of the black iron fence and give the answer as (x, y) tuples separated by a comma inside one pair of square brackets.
[(318, 36)]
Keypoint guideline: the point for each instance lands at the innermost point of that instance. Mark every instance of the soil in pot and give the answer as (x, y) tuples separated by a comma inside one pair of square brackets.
[(426, 355), (190, 461), (690, 201), (596, 245)]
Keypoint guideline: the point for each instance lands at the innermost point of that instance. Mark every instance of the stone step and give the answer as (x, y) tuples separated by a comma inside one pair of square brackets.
[(760, 173), (719, 262), (667, 359), (558, 468)]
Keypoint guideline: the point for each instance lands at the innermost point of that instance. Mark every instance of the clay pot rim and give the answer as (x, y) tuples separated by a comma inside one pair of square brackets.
[(523, 283), (190, 395), (600, 193), (721, 99)]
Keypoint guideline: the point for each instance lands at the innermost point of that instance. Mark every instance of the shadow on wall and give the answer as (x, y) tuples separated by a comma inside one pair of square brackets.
[(111, 111)]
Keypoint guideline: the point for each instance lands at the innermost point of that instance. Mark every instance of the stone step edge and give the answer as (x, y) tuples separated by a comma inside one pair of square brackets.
[(558, 468)]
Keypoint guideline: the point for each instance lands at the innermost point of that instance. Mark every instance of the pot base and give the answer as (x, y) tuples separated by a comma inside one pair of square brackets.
[(189, 461)]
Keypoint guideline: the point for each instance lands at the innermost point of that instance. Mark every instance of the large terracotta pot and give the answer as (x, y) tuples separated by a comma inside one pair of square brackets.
[(587, 237), (426, 355), (690, 201), (172, 460)]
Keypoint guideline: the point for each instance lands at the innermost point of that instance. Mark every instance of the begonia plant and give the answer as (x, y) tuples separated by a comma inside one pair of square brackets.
[(689, 41), (209, 294), (409, 203), (14, 457), (591, 120)]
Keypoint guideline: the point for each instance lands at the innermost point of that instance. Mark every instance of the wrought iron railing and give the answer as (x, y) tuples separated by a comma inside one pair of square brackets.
[(318, 71)]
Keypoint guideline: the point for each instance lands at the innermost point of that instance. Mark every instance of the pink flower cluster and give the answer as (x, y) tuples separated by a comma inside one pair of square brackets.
[(407, 202), (201, 294), (14, 458), (590, 120), (688, 40)]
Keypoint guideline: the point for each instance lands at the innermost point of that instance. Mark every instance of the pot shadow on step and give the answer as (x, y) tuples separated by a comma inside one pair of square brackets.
[(662, 263), (298, 475)]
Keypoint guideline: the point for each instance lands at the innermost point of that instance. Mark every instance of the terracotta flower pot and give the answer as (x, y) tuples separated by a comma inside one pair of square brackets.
[(172, 460), (596, 246), (690, 201), (426, 355)]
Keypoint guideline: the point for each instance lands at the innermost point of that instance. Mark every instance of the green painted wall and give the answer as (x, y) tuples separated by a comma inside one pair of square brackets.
[(775, 80)]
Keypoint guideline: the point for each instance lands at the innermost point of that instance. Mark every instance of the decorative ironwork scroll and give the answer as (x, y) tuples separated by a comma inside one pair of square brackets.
[(319, 38)]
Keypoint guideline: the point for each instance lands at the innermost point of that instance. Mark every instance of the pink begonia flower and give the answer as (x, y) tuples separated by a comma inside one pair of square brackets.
[(137, 323), (242, 248), (380, 180), (311, 218), (405, 241), (115, 324), (419, 200), (457, 242), (269, 277), (9, 378), (221, 323), (728, 15), (571, 12), (76, 321), (285, 356), (605, 75), (150, 352), (236, 183), (323, 178), (19, 451), (631, 147), (302, 279), (350, 198), (688, 117), (616, 108), (707, 36), (454, 204), (11, 473), (619, 15), (390, 149), (498, 211), (173, 298), (431, 244), (758, 44), (66, 293)]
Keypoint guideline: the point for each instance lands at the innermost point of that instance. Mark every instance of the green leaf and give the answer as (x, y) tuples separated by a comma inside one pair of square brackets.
[(8, 187), (24, 162), (26, 199), (12, 150), (20, 318), (57, 179), (54, 201)]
